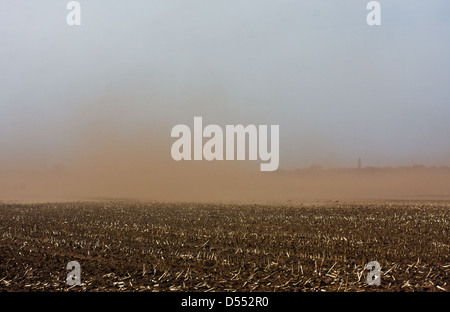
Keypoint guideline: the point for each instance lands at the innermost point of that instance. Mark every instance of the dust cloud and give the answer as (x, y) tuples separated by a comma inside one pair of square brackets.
[(86, 112), (104, 165)]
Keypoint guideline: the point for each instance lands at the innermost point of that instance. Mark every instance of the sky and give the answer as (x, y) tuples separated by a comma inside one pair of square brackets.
[(338, 88)]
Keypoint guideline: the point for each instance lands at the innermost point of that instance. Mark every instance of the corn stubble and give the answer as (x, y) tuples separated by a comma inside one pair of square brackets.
[(136, 246)]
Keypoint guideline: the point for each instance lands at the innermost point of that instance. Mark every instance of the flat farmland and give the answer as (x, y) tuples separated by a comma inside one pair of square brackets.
[(147, 246)]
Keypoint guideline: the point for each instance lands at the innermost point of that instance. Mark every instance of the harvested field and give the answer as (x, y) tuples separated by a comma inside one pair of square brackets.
[(137, 246)]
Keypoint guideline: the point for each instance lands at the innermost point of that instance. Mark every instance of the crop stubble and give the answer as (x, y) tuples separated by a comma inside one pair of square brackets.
[(138, 246)]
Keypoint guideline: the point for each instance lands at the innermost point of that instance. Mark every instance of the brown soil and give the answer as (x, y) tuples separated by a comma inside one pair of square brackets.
[(137, 246)]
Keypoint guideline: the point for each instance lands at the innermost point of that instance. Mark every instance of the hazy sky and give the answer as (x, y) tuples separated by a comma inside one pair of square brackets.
[(338, 88)]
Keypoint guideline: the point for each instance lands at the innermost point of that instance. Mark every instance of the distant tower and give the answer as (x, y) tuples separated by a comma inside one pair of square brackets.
[(359, 163)]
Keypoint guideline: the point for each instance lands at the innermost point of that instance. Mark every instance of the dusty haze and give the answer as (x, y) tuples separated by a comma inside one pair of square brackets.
[(108, 167), (86, 112)]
